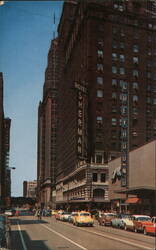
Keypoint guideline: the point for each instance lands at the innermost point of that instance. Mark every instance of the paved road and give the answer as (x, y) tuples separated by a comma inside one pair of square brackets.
[(48, 234)]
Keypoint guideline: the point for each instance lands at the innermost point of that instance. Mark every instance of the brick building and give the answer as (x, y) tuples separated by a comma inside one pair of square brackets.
[(109, 81), (5, 178), (47, 124), (29, 189), (107, 94)]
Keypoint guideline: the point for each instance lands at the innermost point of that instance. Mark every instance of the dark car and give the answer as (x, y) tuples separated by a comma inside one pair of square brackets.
[(105, 219)]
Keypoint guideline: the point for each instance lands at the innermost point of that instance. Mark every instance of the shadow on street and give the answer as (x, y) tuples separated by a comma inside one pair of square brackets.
[(16, 243), (26, 222)]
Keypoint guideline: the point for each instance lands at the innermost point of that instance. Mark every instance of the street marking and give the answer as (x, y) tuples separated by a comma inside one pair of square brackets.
[(64, 237), (120, 240), (21, 236)]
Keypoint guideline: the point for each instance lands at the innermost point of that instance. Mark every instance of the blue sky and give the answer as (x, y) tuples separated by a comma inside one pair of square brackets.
[(26, 31)]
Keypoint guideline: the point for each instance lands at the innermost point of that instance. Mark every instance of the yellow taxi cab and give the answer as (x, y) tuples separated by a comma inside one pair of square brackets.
[(83, 218), (54, 212)]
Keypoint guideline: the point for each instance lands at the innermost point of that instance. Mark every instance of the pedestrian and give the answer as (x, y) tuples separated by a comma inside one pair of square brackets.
[(39, 214)]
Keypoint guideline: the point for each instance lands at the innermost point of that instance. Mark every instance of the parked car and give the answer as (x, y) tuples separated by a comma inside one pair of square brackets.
[(118, 221), (140, 222), (10, 212), (65, 216), (58, 215), (106, 219), (128, 223), (151, 229), (72, 216), (53, 212), (83, 219)]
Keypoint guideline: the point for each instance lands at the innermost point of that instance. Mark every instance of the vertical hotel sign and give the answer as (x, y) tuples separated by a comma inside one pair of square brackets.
[(81, 123)]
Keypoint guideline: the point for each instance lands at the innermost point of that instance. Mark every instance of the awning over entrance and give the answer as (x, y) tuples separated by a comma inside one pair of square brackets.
[(133, 200)]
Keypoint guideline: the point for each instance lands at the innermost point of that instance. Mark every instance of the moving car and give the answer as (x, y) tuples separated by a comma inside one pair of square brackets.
[(128, 223), (106, 219), (119, 220), (140, 222), (10, 212), (72, 216), (59, 214), (65, 216), (151, 229), (83, 219)]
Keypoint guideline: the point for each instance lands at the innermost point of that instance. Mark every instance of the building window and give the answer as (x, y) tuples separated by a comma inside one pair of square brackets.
[(122, 58), (135, 73), (149, 52), (114, 95), (100, 80), (100, 53), (135, 98), (114, 122), (134, 133), (114, 82), (123, 97), (98, 158), (114, 56), (135, 60), (135, 48), (114, 44), (103, 177), (135, 85), (95, 177), (154, 101), (99, 93), (123, 84), (122, 45), (100, 67), (114, 69), (122, 71), (99, 119), (100, 42)]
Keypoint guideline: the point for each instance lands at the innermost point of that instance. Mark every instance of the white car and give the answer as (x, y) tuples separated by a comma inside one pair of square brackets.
[(128, 223), (9, 212), (65, 216)]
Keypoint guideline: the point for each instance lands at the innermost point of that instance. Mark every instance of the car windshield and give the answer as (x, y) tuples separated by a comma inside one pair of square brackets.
[(84, 214), (144, 219), (75, 214)]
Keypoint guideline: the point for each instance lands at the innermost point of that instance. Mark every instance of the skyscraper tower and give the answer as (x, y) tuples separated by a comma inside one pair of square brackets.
[(47, 124), (108, 79)]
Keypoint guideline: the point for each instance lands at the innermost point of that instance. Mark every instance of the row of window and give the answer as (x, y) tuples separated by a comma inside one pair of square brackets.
[(99, 177)]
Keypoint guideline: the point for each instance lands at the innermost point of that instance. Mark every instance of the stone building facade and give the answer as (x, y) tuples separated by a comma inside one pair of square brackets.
[(140, 194), (106, 94)]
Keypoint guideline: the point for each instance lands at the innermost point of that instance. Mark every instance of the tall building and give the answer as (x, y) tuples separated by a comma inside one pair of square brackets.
[(29, 189), (107, 93), (1, 140), (47, 124), (5, 178), (106, 97)]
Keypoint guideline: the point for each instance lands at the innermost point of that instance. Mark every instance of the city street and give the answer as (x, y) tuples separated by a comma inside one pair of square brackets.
[(30, 233)]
